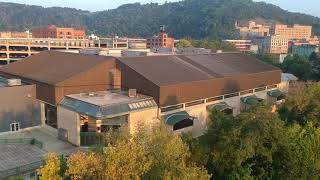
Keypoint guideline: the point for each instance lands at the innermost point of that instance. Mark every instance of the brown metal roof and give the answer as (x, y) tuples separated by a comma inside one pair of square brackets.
[(52, 67), (168, 70)]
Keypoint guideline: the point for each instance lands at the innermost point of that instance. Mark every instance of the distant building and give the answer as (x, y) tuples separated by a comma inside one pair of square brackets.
[(193, 51), (253, 30), (304, 49), (120, 43), (137, 43), (292, 32), (13, 49), (15, 34), (273, 44), (241, 45), (162, 40), (112, 43), (58, 32)]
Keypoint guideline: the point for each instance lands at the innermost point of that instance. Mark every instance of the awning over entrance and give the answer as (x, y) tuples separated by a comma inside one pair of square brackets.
[(219, 106), (175, 118), (276, 93), (251, 100)]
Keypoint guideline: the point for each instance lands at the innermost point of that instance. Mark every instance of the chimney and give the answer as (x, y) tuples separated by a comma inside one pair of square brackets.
[(115, 78)]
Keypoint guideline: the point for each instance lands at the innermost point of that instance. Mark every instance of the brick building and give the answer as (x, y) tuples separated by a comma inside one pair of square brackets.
[(58, 32), (162, 40)]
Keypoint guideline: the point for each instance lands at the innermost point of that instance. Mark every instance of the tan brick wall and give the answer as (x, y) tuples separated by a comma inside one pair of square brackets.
[(146, 117)]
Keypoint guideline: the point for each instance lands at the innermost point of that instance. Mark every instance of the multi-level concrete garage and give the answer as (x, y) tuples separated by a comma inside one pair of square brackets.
[(90, 94), (13, 49)]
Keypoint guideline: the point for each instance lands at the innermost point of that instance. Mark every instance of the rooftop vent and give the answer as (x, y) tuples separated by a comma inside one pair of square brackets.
[(14, 82), (89, 94), (132, 93)]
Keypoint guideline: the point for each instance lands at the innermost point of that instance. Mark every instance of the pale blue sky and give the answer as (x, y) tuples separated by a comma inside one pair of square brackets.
[(305, 6)]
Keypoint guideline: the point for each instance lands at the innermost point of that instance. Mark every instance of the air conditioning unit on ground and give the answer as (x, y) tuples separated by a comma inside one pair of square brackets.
[(132, 93)]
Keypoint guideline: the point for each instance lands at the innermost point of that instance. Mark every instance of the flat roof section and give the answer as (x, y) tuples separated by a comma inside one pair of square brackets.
[(169, 70), (107, 104)]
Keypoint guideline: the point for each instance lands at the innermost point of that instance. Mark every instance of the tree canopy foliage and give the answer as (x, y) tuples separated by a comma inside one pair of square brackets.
[(195, 18), (305, 68), (260, 144), (183, 43), (152, 154)]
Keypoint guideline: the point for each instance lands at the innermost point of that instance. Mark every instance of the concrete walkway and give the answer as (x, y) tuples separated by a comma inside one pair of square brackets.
[(51, 144)]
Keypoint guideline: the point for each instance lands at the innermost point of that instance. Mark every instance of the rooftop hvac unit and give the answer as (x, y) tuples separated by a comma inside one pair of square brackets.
[(132, 93), (14, 82)]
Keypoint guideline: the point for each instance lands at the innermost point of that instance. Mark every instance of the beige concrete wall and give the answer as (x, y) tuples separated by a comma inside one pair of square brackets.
[(200, 121), (69, 121), (146, 117), (262, 94), (235, 103)]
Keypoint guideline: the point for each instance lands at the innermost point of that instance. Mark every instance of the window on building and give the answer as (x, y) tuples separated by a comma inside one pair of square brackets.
[(14, 127)]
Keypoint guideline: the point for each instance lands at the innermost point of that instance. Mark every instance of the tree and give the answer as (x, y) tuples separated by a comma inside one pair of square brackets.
[(313, 56), (214, 44), (147, 154), (298, 154), (298, 65), (183, 43), (52, 169), (126, 160), (82, 165), (169, 155), (302, 106)]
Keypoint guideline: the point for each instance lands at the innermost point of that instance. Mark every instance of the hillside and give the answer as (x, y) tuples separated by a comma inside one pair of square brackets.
[(195, 18)]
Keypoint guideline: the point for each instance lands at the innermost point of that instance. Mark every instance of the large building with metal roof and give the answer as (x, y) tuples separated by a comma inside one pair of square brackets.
[(179, 79), (83, 94)]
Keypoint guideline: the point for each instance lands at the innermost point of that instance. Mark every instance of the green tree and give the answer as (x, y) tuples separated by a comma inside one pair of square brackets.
[(298, 65), (213, 44), (183, 43), (302, 106), (298, 156)]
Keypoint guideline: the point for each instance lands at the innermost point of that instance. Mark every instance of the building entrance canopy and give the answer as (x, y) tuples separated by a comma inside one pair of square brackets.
[(276, 94), (251, 100), (175, 118), (219, 106)]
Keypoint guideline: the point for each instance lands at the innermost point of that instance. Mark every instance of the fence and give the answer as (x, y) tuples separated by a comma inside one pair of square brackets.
[(31, 141), (21, 169)]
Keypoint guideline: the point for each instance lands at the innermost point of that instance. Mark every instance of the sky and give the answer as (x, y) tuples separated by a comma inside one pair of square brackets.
[(305, 6)]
